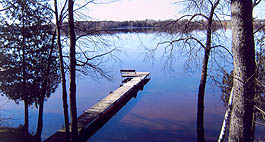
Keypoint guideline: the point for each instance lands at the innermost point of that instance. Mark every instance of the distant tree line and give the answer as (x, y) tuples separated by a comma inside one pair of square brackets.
[(148, 26), (143, 26)]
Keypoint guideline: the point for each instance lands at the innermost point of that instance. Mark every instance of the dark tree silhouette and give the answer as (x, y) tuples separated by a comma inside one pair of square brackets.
[(29, 66), (58, 19), (72, 70)]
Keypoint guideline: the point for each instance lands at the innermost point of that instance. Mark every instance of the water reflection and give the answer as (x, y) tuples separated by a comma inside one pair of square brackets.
[(164, 111), (171, 107), (160, 116)]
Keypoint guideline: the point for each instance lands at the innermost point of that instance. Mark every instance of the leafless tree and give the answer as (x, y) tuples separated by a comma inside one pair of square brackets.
[(72, 70), (205, 14), (82, 58), (58, 20)]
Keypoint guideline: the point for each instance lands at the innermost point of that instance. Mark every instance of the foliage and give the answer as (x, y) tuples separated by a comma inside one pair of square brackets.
[(25, 46)]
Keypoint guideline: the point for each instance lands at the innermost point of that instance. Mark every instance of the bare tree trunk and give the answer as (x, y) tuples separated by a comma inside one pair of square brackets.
[(244, 71), (72, 71), (227, 118), (207, 50), (64, 93), (200, 107)]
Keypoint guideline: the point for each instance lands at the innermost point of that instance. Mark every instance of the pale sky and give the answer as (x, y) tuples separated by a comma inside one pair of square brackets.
[(142, 9), (135, 10), (146, 9)]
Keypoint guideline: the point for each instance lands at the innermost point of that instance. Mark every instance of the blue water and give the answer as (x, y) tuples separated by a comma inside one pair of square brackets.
[(164, 111)]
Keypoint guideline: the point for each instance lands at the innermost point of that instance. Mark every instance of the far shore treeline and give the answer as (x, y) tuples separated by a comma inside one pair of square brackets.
[(143, 26), (146, 26)]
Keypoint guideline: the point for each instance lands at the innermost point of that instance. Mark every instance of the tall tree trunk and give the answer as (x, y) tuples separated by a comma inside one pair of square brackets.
[(64, 93), (72, 71), (200, 107), (25, 97), (40, 120), (244, 71), (207, 50), (26, 116), (26, 120)]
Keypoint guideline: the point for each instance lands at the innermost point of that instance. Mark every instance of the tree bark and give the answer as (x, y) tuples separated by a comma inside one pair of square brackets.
[(72, 71), (207, 50), (64, 92), (200, 107), (244, 71)]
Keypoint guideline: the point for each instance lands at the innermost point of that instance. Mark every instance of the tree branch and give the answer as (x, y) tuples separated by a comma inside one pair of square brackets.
[(255, 3), (223, 48)]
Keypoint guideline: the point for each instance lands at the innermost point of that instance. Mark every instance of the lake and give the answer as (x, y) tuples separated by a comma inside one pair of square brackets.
[(164, 111)]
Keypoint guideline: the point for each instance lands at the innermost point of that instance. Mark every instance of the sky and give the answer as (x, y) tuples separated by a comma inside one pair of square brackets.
[(146, 9), (122, 10), (135, 10)]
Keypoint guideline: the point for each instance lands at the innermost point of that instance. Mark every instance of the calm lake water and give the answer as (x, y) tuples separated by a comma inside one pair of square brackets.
[(164, 111)]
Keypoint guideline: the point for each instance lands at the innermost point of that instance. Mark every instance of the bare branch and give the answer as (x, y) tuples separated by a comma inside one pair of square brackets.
[(260, 28), (263, 112), (61, 17), (182, 39), (84, 5), (1, 10), (94, 57), (255, 3), (223, 48), (193, 16)]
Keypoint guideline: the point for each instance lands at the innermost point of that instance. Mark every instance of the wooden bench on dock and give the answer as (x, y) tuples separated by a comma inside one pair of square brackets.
[(128, 73)]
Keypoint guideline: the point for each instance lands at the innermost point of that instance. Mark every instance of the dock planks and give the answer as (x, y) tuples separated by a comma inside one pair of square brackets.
[(88, 122)]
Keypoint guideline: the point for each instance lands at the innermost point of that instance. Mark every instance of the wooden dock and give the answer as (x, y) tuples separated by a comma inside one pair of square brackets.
[(95, 117)]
